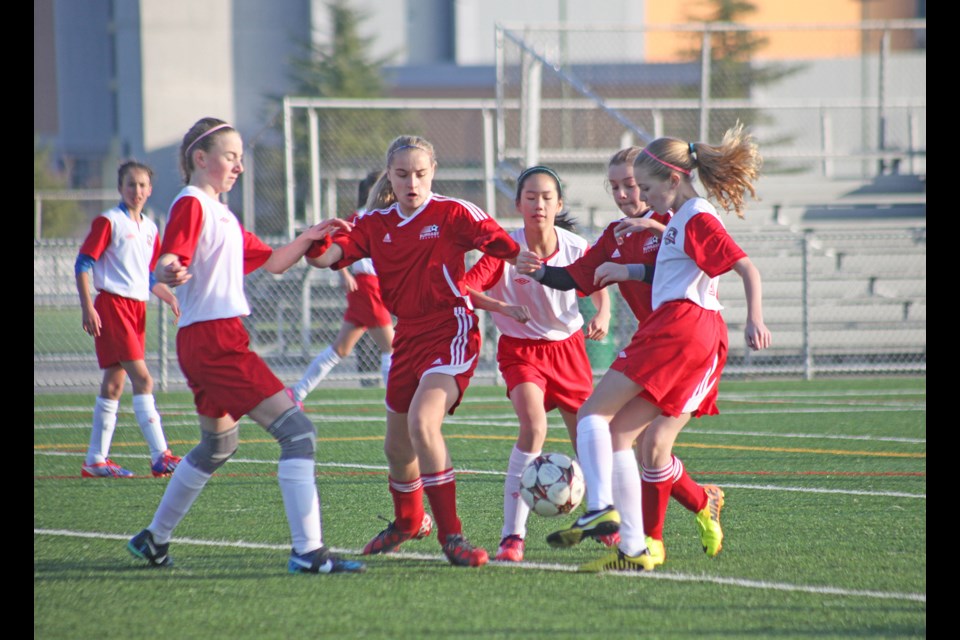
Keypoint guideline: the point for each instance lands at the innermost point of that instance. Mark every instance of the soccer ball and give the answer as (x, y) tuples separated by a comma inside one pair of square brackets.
[(552, 484)]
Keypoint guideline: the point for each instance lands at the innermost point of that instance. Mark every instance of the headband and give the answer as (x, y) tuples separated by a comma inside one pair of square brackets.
[(666, 164), (402, 147), (539, 169), (204, 135)]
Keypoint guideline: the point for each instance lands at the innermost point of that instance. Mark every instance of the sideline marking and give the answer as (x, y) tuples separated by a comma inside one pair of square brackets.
[(677, 577)]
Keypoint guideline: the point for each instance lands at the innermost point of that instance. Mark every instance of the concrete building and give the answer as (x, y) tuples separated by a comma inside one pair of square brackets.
[(119, 78)]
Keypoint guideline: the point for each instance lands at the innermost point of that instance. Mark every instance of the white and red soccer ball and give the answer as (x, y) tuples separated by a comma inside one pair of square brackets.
[(552, 484)]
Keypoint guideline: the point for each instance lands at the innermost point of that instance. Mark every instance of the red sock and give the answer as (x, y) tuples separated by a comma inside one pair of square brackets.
[(685, 489), (656, 497), (441, 491), (407, 504)]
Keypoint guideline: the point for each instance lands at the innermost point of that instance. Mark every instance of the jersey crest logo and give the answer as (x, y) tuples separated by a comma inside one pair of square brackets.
[(386, 239), (431, 231), (670, 237), (651, 244), (521, 280)]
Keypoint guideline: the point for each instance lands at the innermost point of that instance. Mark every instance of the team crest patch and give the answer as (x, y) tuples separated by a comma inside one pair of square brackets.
[(430, 231), (651, 244), (670, 237)]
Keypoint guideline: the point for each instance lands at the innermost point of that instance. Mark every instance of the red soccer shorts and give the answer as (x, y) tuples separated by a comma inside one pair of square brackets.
[(226, 377)]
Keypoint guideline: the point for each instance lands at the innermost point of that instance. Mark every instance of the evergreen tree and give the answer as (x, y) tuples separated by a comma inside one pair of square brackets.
[(60, 218), (732, 71), (350, 140)]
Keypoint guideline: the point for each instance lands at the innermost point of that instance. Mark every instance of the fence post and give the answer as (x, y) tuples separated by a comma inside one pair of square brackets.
[(162, 382), (805, 306)]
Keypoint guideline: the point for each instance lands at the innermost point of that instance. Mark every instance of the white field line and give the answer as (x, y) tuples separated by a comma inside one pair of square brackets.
[(657, 575)]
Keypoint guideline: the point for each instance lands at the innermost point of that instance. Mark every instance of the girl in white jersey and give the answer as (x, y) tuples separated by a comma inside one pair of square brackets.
[(120, 252), (418, 240), (542, 356), (207, 253), (672, 367)]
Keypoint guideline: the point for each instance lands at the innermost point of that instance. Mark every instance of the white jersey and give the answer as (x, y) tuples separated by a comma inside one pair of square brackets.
[(677, 276), (123, 268), (554, 314), (363, 266), (216, 289)]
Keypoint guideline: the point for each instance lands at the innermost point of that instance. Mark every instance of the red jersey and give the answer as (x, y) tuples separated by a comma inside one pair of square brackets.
[(637, 248), (420, 258)]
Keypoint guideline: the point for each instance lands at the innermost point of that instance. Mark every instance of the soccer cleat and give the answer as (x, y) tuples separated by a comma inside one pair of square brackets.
[(105, 469), (322, 561), (708, 521), (391, 538), (290, 395), (165, 464), (592, 524), (609, 540), (617, 560), (461, 553), (656, 551), (143, 546), (511, 549)]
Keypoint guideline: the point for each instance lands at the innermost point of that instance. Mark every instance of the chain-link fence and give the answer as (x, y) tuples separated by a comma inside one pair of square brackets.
[(838, 302)]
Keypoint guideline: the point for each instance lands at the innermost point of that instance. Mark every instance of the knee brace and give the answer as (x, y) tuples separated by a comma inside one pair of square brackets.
[(295, 433), (214, 449)]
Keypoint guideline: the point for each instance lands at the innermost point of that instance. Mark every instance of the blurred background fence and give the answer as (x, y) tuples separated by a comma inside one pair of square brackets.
[(839, 232)]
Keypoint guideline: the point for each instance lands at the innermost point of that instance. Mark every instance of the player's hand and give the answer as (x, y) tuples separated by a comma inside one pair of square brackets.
[(597, 328), (757, 335), (91, 323), (610, 272), (635, 225), (519, 312), (528, 262), (172, 274), (175, 307), (328, 227)]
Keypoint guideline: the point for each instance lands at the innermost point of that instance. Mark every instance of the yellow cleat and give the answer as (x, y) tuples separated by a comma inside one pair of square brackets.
[(656, 551), (590, 525), (619, 561), (708, 521)]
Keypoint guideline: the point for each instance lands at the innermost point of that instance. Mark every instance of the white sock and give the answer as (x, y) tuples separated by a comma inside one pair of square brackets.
[(302, 503), (595, 453), (515, 510), (317, 371), (184, 486), (145, 409), (628, 498), (104, 424), (385, 360)]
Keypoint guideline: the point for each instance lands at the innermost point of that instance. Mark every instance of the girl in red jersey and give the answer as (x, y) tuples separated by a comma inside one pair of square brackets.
[(635, 240), (365, 312), (207, 253), (672, 367), (417, 240), (542, 355), (120, 252)]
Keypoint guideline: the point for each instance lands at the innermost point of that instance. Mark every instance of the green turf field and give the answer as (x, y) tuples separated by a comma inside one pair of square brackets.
[(825, 529)]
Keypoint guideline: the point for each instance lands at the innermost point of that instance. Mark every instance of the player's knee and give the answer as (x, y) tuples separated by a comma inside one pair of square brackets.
[(295, 433), (214, 449)]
